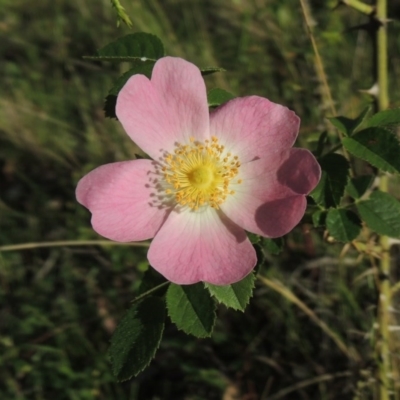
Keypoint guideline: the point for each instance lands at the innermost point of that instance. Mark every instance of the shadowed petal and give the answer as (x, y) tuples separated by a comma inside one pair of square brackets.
[(119, 196), (169, 108), (201, 246), (253, 127), (271, 200)]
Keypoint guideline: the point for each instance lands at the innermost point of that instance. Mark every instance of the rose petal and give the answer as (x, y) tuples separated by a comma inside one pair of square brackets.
[(253, 127), (170, 108), (300, 171), (201, 246), (271, 199), (120, 197)]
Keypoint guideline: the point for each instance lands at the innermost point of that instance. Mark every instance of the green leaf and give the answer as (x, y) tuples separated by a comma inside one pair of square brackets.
[(137, 46), (358, 186), (191, 308), (211, 70), (381, 212), (343, 225), (274, 246), (335, 175), (218, 96), (235, 296), (137, 337), (385, 118), (377, 146), (348, 125), (319, 218)]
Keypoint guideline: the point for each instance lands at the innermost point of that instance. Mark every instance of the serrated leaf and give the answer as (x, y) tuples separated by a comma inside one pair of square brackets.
[(384, 118), (218, 96), (191, 309), (381, 212), (273, 246), (319, 218), (109, 106), (236, 295), (359, 185), (335, 174), (137, 337), (377, 146), (349, 125), (211, 70), (137, 46), (343, 225)]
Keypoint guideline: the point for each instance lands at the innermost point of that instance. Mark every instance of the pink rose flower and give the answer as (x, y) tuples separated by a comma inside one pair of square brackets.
[(213, 176)]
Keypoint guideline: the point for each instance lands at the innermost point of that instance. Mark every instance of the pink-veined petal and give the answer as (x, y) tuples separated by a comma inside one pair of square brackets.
[(120, 198), (168, 109), (201, 246), (253, 127), (271, 199)]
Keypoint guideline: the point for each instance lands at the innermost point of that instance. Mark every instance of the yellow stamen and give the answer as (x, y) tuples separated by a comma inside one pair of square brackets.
[(199, 174)]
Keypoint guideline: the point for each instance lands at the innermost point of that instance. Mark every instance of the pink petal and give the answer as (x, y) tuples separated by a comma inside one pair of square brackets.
[(271, 200), (201, 246), (170, 108), (253, 127), (120, 197)]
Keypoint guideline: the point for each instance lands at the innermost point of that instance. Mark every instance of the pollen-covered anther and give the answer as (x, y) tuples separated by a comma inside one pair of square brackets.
[(199, 173)]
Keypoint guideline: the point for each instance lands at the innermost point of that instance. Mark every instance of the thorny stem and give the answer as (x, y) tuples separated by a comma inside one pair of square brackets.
[(385, 369)]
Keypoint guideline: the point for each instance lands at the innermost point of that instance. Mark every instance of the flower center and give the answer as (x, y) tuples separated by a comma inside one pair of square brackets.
[(200, 174), (201, 177)]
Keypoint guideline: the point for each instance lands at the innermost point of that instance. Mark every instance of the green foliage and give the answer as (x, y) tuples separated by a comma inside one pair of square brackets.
[(236, 295), (274, 246), (381, 212), (218, 96), (377, 146), (348, 125), (343, 225), (138, 46), (137, 338), (385, 118), (359, 185), (191, 309), (335, 174)]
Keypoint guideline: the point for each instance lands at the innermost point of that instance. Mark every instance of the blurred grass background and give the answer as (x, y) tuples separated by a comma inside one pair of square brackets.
[(60, 305)]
